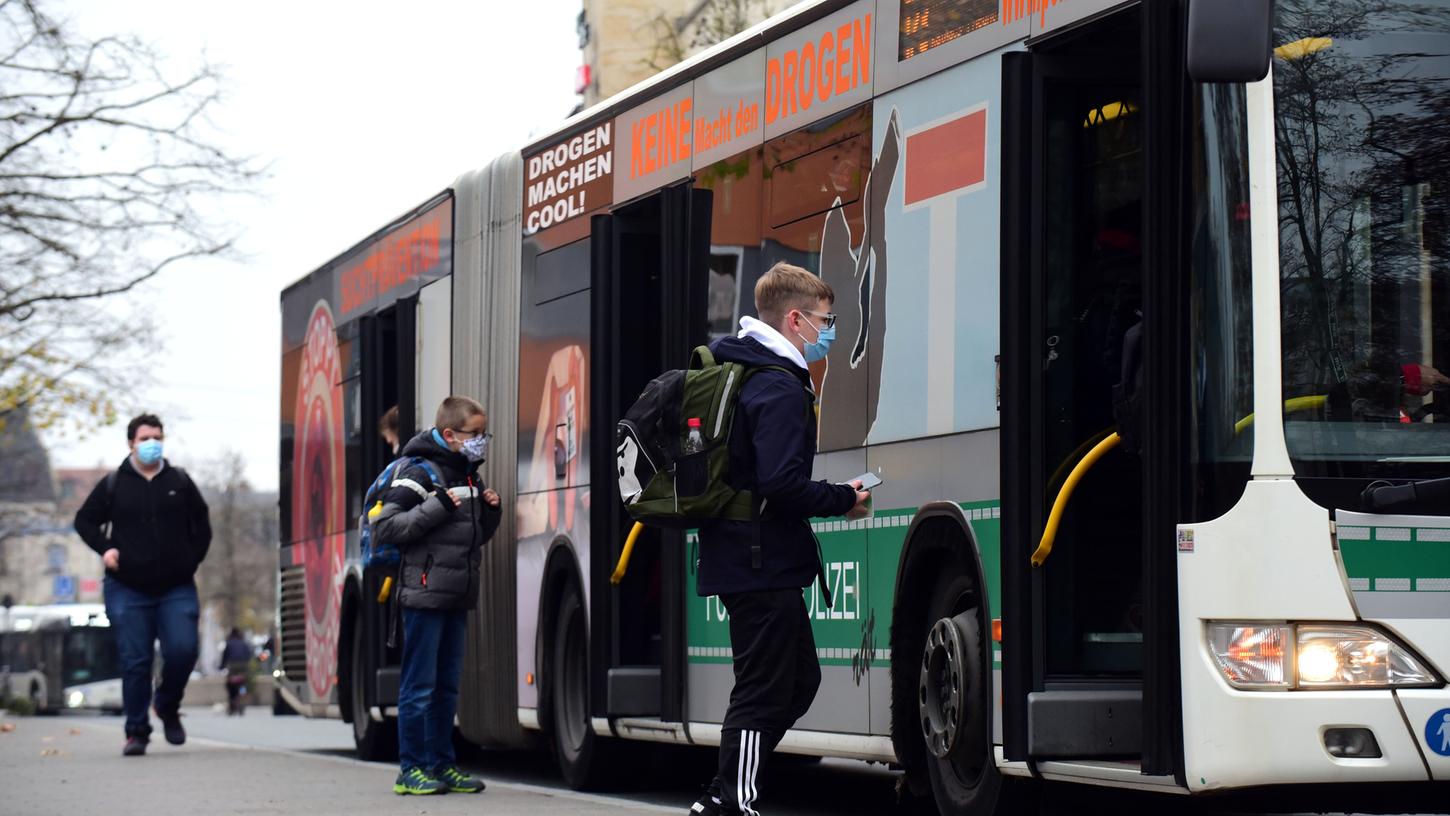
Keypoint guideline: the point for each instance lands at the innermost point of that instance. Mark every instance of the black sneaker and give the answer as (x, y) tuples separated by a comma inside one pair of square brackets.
[(135, 746), (706, 805), (171, 723)]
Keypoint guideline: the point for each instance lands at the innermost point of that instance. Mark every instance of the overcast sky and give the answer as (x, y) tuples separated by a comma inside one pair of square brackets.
[(362, 110)]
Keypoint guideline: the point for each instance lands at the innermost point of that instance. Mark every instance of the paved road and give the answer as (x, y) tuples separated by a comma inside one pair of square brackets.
[(261, 764)]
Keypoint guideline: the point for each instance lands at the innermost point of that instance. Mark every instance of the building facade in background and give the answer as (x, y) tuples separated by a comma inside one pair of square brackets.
[(42, 559), (625, 42)]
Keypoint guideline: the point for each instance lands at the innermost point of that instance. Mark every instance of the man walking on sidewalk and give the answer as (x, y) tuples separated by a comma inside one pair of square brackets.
[(149, 524)]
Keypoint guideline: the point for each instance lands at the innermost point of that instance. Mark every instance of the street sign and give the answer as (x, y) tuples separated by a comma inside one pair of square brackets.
[(64, 588)]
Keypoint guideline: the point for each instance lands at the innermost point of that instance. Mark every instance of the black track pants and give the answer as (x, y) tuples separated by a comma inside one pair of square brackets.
[(776, 677)]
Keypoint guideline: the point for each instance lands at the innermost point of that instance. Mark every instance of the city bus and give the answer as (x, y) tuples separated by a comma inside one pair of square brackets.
[(1151, 362), (59, 656)]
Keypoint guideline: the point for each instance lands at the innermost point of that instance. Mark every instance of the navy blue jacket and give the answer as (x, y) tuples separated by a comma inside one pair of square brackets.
[(772, 449)]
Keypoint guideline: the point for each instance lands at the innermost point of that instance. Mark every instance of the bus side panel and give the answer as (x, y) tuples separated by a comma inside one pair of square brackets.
[(553, 427), (913, 370)]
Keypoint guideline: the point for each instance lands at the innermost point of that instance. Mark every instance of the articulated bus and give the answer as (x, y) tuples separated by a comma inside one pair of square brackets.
[(1153, 369)]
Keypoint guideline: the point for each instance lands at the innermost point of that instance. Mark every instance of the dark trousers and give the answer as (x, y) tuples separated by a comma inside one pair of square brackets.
[(433, 644), (776, 677), (139, 620)]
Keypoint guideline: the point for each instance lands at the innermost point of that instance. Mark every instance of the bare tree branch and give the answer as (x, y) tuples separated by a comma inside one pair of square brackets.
[(110, 171)]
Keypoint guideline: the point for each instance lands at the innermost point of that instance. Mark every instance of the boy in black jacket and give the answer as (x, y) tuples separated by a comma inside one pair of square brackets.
[(158, 534), (441, 530), (772, 448)]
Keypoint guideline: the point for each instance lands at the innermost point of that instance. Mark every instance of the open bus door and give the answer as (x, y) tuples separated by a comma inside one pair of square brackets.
[(389, 377), (650, 269), (1093, 334)]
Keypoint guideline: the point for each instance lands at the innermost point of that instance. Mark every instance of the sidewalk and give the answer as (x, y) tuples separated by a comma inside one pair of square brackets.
[(67, 766)]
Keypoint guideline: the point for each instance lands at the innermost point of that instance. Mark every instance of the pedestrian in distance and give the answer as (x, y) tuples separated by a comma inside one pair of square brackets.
[(441, 529), (759, 568), (236, 661), (150, 525)]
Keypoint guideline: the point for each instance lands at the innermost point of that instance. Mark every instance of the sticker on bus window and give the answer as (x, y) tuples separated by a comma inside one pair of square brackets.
[(1185, 541)]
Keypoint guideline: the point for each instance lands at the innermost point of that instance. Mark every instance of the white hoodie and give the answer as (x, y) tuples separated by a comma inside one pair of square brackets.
[(767, 336)]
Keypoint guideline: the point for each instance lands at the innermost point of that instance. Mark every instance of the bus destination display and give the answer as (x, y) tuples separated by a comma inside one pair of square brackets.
[(927, 24)]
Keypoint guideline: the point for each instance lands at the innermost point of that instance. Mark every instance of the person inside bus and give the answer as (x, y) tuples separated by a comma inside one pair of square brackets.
[(151, 527), (388, 429), (1387, 389), (441, 530), (759, 568)]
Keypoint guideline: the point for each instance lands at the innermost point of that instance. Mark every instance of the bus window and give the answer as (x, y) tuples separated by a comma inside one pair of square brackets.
[(1364, 254)]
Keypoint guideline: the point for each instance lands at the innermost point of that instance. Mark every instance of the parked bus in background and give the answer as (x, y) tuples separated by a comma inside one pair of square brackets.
[(58, 657), (1148, 359)]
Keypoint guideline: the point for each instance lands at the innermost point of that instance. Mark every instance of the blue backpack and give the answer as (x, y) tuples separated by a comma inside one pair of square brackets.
[(382, 553)]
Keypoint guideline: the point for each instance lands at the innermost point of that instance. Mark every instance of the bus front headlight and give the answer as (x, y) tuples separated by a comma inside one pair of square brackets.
[(1333, 656), (1308, 656), (75, 699)]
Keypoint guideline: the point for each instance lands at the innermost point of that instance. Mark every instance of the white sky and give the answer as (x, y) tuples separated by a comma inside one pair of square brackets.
[(363, 110)]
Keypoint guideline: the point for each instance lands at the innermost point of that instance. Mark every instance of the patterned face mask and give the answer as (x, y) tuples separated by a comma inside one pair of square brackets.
[(476, 449)]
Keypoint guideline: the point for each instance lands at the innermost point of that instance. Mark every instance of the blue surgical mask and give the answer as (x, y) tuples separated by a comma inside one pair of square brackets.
[(476, 449), (817, 350), (149, 452)]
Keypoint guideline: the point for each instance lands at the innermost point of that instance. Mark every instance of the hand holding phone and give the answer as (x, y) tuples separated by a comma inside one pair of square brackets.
[(868, 480)]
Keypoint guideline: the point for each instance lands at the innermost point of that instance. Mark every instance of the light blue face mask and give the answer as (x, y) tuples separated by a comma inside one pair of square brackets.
[(149, 452), (817, 350)]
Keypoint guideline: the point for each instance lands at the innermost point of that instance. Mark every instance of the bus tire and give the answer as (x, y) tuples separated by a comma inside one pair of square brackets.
[(375, 741), (954, 698), (585, 760)]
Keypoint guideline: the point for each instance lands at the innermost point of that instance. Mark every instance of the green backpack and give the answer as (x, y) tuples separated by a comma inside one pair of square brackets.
[(660, 483)]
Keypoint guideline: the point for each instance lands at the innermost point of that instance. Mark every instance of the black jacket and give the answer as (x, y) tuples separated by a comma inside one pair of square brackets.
[(772, 449), (161, 527), (442, 544)]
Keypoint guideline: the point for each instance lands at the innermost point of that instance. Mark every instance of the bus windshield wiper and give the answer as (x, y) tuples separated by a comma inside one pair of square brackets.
[(1383, 495)]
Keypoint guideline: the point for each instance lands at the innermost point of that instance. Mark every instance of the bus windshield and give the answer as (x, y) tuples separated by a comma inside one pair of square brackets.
[(1362, 125), (90, 655)]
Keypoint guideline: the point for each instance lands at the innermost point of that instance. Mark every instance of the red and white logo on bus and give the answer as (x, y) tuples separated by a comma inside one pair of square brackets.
[(319, 524)]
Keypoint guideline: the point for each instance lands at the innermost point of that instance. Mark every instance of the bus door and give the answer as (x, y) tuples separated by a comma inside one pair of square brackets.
[(389, 378), (649, 267), (1079, 624)]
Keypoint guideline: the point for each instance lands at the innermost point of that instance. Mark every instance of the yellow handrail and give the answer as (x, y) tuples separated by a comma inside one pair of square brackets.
[(1044, 548), (623, 565), (1292, 405)]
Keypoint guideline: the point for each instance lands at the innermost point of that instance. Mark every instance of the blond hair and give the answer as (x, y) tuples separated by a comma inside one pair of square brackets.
[(456, 410), (785, 287)]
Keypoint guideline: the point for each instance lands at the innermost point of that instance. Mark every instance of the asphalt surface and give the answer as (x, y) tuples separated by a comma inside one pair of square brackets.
[(261, 764)]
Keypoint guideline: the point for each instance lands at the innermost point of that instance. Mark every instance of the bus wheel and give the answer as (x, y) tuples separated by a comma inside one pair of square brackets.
[(375, 741), (954, 702), (584, 758)]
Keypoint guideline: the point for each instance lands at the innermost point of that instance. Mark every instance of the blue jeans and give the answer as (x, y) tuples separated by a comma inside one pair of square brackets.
[(139, 620), (428, 689)]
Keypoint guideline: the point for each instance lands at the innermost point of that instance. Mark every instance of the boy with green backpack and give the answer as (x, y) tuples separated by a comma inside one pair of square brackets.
[(747, 413)]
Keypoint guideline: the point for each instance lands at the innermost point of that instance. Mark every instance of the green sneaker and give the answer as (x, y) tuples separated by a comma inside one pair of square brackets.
[(460, 782), (416, 782)]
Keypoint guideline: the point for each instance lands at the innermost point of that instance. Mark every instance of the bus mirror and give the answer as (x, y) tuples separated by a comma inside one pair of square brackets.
[(1229, 40)]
